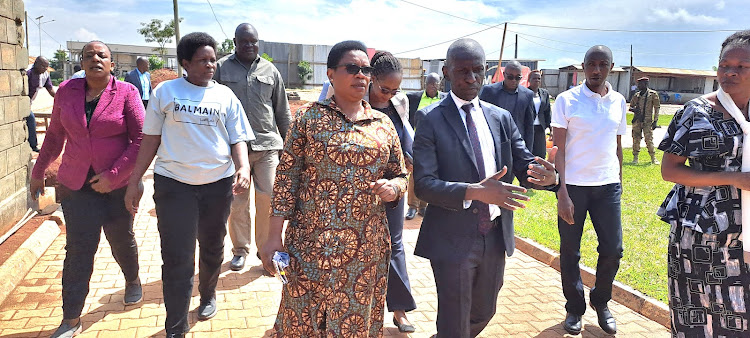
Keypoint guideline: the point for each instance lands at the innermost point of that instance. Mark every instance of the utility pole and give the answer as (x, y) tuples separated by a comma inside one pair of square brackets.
[(26, 22), (631, 69), (502, 47), (39, 20), (515, 56), (177, 34)]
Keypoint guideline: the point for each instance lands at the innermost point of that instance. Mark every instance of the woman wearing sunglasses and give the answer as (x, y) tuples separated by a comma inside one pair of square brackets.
[(340, 169), (385, 96)]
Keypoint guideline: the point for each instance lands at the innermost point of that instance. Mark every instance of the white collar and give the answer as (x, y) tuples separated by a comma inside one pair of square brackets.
[(586, 91), (461, 102)]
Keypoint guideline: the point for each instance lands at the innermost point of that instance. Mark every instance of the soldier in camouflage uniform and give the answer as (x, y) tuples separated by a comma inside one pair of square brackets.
[(645, 107)]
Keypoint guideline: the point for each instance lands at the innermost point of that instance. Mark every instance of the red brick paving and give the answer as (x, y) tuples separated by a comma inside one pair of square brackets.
[(530, 304)]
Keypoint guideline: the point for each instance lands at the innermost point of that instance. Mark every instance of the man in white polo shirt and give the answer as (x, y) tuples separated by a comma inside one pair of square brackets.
[(588, 122)]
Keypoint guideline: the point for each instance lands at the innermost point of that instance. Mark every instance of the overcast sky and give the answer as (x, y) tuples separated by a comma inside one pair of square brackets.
[(399, 26)]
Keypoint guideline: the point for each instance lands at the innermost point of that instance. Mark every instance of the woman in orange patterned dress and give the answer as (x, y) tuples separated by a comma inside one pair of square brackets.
[(341, 167)]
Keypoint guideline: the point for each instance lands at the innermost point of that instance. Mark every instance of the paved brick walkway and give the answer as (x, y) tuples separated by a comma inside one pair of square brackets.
[(530, 303)]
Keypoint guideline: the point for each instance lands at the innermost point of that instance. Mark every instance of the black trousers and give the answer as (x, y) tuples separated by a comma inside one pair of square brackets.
[(540, 142), (602, 203), (186, 213), (86, 213), (398, 295), (467, 289)]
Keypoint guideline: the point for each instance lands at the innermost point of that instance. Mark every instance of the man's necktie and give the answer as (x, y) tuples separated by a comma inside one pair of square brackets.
[(485, 224)]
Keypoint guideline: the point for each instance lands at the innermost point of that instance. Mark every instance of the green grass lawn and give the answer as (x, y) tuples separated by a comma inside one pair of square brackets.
[(644, 265), (664, 119)]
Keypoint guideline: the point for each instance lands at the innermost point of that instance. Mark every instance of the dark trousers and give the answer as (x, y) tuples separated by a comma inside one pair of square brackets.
[(31, 126), (186, 213), (398, 295), (602, 203), (467, 289), (86, 213), (540, 142), (145, 104)]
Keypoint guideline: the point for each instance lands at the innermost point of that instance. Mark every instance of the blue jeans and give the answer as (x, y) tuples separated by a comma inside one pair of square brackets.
[(31, 125), (602, 203)]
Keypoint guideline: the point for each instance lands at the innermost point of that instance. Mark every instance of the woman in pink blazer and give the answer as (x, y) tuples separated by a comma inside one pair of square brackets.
[(98, 120)]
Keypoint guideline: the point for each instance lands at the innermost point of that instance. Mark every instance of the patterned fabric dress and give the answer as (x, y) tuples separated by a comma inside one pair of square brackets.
[(337, 236), (708, 278)]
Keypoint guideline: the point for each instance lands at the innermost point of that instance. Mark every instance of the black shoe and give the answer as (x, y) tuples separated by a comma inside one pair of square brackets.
[(175, 335), (238, 262), (207, 309), (66, 330), (422, 211), (411, 213), (406, 328), (606, 320), (133, 293), (572, 324), (36, 150)]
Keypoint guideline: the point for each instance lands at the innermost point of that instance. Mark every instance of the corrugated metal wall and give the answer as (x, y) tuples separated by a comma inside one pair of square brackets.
[(286, 56)]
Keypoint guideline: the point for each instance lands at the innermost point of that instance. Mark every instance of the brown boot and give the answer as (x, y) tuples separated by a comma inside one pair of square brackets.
[(635, 158), (654, 160)]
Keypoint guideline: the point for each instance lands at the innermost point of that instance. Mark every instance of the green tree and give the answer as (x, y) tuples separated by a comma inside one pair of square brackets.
[(226, 47), (58, 64), (157, 31), (267, 57), (304, 70), (155, 62)]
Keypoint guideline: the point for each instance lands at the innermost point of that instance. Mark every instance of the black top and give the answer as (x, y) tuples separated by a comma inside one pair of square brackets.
[(90, 107)]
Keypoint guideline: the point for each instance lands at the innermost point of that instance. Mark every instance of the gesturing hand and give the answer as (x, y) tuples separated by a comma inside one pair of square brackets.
[(493, 191), (543, 173)]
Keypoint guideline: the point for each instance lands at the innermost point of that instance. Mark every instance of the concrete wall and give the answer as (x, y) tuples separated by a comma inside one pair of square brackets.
[(14, 107)]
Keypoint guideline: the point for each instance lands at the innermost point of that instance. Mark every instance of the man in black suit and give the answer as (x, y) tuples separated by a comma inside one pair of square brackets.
[(419, 100), (463, 149), (542, 113), (141, 79), (518, 100)]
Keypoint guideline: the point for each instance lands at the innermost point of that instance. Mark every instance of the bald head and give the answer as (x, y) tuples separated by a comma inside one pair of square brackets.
[(40, 65), (601, 51), (432, 78), (244, 28), (142, 64), (514, 65), (465, 49)]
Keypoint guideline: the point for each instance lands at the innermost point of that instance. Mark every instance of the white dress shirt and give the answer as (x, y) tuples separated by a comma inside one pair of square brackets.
[(486, 142)]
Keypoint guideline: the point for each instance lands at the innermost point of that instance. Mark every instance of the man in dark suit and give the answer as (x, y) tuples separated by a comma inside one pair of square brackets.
[(518, 100), (419, 100), (463, 149), (141, 79), (542, 115)]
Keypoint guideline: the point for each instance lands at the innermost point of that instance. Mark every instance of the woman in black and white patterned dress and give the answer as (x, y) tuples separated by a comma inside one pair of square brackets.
[(708, 276)]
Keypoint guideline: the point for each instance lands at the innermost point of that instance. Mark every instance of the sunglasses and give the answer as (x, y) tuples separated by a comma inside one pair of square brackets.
[(516, 78), (354, 69), (388, 91)]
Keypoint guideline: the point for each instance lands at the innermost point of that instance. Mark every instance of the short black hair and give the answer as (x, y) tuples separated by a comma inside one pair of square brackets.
[(76, 68), (93, 41), (338, 50), (741, 38), (190, 43), (384, 63)]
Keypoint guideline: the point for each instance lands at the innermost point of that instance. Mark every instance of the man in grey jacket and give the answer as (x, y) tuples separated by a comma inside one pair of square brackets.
[(260, 88)]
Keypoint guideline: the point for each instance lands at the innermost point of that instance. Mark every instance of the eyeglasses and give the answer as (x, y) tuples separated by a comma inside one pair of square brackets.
[(354, 69), (385, 91), (514, 78)]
